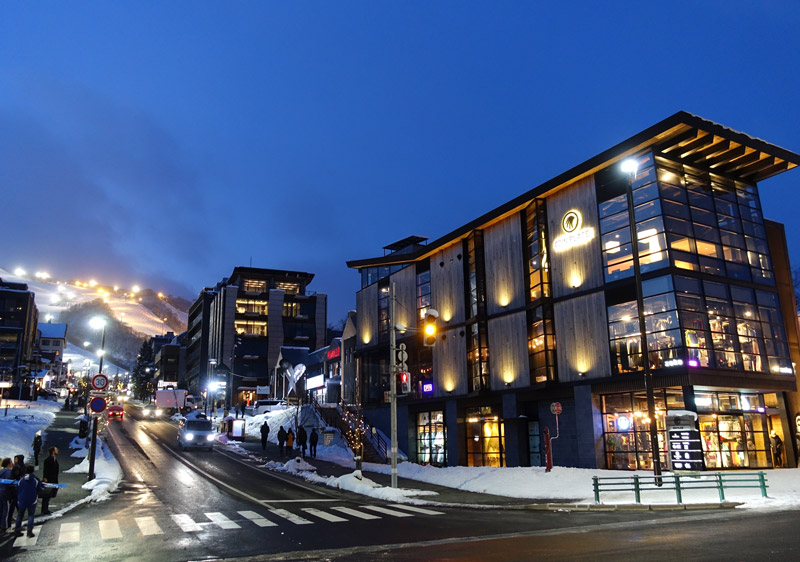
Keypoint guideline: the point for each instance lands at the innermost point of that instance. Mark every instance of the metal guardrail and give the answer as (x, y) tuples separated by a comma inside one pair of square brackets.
[(680, 483)]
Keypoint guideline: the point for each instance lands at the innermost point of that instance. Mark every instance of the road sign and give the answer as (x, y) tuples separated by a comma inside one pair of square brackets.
[(555, 408), (99, 382), (97, 404)]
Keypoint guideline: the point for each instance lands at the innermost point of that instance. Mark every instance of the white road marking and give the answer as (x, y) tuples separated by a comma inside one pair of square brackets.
[(296, 519), (25, 540), (324, 515), (391, 512), (69, 532), (186, 523), (109, 529), (148, 526), (416, 509), (257, 518), (221, 521), (355, 513)]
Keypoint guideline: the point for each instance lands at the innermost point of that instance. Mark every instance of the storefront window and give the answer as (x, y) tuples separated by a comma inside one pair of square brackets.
[(485, 440), (431, 438), (536, 250)]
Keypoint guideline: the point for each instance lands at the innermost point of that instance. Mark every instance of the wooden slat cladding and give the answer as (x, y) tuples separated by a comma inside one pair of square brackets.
[(447, 285), (450, 363), (405, 292), (367, 306), (579, 265), (508, 351), (502, 243), (582, 329)]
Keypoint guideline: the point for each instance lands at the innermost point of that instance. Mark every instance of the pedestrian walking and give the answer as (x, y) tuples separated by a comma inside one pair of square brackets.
[(302, 439), (5, 474), (28, 489), (312, 442), (281, 440), (50, 476), (776, 443), (37, 447), (290, 441), (17, 472), (264, 435)]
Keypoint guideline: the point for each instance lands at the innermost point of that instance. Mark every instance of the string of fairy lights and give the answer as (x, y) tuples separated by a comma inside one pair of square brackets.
[(356, 428)]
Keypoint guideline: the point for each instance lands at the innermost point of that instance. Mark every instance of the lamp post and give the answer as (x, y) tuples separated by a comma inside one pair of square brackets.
[(630, 166), (97, 323)]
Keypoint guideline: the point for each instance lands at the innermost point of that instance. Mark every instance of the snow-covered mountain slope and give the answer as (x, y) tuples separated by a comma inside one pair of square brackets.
[(54, 296)]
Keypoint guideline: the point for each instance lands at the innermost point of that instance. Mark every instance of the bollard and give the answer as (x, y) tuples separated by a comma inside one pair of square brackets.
[(678, 493), (636, 491), (596, 486)]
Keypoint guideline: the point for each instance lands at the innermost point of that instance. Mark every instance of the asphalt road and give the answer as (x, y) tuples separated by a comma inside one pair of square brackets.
[(200, 505)]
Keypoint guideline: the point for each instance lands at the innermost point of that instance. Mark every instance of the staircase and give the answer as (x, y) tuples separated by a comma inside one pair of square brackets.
[(374, 446)]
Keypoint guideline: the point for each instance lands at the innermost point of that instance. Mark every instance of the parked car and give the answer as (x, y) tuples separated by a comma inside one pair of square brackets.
[(196, 432), (264, 406)]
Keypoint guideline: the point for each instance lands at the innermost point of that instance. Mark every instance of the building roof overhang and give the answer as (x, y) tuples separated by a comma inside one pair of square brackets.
[(683, 137)]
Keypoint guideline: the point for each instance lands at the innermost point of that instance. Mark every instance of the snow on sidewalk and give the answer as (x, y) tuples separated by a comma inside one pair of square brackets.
[(23, 420), (107, 470)]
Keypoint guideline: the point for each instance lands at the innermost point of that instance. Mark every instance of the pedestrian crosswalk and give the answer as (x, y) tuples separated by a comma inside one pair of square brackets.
[(147, 526)]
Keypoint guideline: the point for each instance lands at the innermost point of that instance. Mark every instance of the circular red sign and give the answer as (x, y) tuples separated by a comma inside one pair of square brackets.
[(97, 404), (555, 408), (99, 382)]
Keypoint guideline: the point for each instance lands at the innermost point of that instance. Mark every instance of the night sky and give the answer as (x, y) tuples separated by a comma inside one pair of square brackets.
[(165, 143)]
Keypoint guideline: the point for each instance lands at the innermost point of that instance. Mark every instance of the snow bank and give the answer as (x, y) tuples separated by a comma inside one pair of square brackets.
[(107, 470), (21, 422)]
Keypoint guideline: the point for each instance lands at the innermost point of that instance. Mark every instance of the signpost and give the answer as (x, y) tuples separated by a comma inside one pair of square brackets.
[(98, 404), (683, 438), (99, 382)]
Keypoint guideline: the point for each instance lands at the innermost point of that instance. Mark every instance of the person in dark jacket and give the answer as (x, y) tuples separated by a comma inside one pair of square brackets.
[(312, 442), (37, 447), (28, 489), (5, 474), (50, 476), (281, 440), (17, 472), (302, 439), (776, 443), (264, 436)]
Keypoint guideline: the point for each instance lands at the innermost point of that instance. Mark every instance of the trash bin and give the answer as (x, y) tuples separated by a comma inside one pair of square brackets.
[(327, 437)]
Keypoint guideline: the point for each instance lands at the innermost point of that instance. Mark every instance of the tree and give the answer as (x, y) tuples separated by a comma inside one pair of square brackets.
[(142, 371)]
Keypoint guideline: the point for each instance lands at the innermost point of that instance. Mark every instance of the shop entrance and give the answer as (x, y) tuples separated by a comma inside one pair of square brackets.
[(485, 440)]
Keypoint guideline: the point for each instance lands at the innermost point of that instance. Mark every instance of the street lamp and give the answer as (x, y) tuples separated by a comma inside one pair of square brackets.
[(630, 166), (209, 369), (96, 323)]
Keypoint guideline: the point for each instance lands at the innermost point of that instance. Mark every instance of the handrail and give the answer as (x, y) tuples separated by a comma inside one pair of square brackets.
[(679, 483)]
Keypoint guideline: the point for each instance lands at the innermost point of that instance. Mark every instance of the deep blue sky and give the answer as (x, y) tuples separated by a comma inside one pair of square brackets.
[(167, 142)]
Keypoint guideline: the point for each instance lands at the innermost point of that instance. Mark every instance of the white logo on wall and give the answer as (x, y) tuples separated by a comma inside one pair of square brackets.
[(573, 235)]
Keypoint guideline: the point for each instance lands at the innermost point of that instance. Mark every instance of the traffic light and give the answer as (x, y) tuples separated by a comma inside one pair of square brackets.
[(429, 328), (405, 383)]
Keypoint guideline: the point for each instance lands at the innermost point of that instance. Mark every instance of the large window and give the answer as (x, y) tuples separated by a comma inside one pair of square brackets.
[(250, 327), (541, 344), (244, 306), (383, 310), (485, 440), (733, 430), (423, 288), (626, 428), (255, 286), (536, 250), (477, 336), (431, 438)]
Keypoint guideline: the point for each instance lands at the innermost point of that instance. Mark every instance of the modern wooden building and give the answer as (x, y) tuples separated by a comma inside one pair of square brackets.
[(540, 302)]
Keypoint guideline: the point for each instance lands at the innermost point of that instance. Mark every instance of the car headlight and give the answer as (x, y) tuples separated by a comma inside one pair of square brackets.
[(210, 437), (146, 412), (159, 412), (190, 436)]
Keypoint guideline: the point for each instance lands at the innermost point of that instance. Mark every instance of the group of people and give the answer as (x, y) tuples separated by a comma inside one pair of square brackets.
[(287, 441), (23, 494)]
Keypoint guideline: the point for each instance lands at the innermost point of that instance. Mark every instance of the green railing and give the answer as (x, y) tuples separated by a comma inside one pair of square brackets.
[(680, 483)]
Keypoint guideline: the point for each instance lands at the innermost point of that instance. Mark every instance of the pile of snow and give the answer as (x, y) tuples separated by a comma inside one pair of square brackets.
[(107, 470), (20, 422)]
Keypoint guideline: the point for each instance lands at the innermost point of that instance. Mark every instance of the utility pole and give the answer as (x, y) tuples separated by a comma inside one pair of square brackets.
[(393, 383)]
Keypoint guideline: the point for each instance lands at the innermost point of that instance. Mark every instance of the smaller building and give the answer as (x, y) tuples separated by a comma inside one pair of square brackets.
[(19, 320), (323, 379), (52, 344)]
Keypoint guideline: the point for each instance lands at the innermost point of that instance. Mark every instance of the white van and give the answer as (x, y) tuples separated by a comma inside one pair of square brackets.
[(263, 406)]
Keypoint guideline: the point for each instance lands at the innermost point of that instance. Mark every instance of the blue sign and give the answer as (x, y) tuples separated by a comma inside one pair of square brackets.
[(623, 423), (427, 387), (97, 404)]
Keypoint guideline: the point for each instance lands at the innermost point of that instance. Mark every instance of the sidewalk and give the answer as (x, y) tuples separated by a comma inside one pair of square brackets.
[(60, 434), (445, 495)]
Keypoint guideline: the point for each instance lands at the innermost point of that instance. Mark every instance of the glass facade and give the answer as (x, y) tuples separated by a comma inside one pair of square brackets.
[(541, 337), (477, 333), (431, 438), (733, 429)]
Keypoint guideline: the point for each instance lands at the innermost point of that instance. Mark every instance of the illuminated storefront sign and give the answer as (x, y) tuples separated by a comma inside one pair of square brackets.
[(685, 448), (333, 353), (427, 387), (315, 382), (573, 235)]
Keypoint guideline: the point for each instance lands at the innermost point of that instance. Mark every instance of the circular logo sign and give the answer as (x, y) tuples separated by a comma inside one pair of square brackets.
[(99, 382), (97, 405), (555, 408), (572, 221)]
